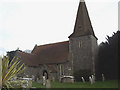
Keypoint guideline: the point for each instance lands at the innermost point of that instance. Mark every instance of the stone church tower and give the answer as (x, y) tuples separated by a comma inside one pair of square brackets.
[(82, 45)]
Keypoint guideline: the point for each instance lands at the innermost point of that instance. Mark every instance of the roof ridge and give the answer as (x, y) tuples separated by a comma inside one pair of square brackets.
[(52, 43)]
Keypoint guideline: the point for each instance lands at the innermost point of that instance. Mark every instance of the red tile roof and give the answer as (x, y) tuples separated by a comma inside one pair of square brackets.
[(28, 59), (47, 54)]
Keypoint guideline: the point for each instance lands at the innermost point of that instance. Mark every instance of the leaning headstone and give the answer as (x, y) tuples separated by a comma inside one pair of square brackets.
[(83, 80), (90, 79), (93, 78), (103, 78)]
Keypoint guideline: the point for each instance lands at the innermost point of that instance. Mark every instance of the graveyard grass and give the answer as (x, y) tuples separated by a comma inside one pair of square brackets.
[(98, 84)]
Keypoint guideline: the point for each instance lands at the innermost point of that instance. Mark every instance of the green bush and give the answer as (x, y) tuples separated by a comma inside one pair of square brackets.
[(10, 70)]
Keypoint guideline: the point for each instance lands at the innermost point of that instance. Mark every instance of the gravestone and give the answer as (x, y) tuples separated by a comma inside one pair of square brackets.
[(67, 79), (44, 80), (33, 78), (103, 78), (48, 85), (83, 80), (93, 78), (90, 79)]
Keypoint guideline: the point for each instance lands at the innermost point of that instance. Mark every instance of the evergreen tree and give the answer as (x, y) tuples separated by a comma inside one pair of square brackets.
[(108, 57)]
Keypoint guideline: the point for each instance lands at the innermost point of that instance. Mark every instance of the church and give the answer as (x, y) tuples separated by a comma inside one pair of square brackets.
[(75, 57)]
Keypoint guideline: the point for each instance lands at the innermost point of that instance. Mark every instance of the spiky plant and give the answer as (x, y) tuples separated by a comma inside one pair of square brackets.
[(9, 70)]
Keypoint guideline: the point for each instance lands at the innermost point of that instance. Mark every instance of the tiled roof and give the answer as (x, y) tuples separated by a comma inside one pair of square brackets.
[(47, 54)]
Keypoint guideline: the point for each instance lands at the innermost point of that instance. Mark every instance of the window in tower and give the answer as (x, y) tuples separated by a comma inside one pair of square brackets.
[(80, 44)]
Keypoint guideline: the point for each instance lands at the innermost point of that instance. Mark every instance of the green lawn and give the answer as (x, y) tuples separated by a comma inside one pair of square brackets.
[(98, 84)]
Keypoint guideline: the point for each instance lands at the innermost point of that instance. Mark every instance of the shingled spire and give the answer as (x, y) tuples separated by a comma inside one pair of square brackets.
[(83, 24)]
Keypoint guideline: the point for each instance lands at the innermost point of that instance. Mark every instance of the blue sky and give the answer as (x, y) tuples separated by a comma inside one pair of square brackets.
[(24, 23)]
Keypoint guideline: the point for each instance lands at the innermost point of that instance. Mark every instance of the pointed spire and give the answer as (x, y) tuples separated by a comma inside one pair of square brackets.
[(83, 24)]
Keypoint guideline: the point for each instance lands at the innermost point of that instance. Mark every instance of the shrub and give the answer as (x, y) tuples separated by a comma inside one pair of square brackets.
[(9, 70)]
